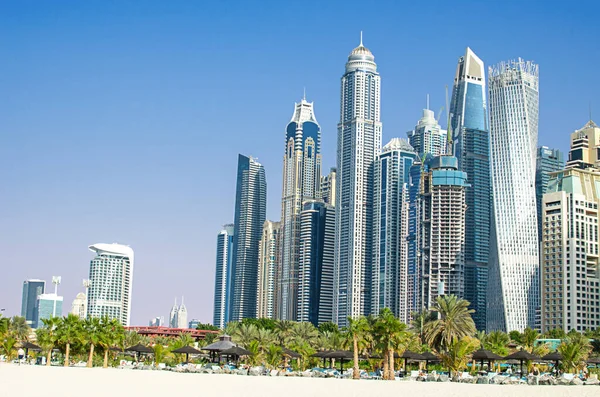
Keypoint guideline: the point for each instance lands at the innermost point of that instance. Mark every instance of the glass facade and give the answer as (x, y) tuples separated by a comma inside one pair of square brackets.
[(31, 290), (471, 139), (224, 258), (46, 308), (548, 161), (250, 214)]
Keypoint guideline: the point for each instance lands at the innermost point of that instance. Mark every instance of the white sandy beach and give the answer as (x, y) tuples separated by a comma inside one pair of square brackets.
[(98, 382)]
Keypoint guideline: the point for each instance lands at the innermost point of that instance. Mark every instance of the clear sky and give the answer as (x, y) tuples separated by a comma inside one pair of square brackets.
[(121, 121)]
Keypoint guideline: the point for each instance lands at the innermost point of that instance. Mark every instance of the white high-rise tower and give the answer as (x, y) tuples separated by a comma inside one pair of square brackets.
[(111, 279), (359, 144), (513, 283)]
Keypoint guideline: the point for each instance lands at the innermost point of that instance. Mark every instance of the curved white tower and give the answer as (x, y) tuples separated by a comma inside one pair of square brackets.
[(359, 144), (513, 283), (111, 279)]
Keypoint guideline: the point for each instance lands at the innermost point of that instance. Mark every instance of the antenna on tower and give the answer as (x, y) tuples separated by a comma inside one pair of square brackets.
[(590, 106), (304, 98), (427, 101), (450, 149), (360, 45)]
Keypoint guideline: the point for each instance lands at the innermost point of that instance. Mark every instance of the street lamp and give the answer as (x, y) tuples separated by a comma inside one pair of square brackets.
[(55, 281), (86, 285)]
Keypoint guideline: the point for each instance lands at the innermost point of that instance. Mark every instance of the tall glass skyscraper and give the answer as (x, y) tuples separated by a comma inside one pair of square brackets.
[(268, 254), (29, 309), (359, 144), (471, 141), (390, 228), (301, 181), (548, 161), (111, 280), (223, 276), (250, 214), (514, 290), (315, 286), (428, 136)]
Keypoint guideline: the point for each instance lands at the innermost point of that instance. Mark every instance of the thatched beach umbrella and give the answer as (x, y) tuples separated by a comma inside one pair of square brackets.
[(554, 356), (341, 355), (485, 355), (140, 349), (322, 354), (215, 348), (187, 350), (235, 351), (409, 355), (522, 355), (30, 346), (429, 357)]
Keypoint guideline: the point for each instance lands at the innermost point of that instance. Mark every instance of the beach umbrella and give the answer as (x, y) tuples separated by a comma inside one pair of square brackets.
[(140, 349), (291, 353), (30, 346), (409, 355), (522, 355), (187, 350), (236, 351), (223, 343), (594, 360), (429, 356), (554, 356), (485, 355), (322, 354), (341, 355)]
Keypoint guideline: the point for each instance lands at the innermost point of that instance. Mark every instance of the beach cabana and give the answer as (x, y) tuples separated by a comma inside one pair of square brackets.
[(215, 348), (236, 352), (30, 346), (409, 355), (430, 357), (187, 350), (522, 355), (594, 360), (554, 356), (139, 349), (340, 355), (482, 355), (322, 354)]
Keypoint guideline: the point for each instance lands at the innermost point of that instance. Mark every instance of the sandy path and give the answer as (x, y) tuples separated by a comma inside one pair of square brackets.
[(82, 382)]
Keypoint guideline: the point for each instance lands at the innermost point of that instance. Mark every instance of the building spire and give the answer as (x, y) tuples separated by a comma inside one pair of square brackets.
[(304, 97), (427, 101), (361, 44)]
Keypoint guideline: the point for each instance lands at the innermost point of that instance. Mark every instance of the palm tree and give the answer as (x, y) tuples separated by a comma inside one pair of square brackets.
[(454, 322), (69, 331), (419, 319), (304, 331), (387, 332), (92, 330), (357, 328), (209, 338), (19, 328), (47, 336), (528, 338), (456, 355), (160, 352), (265, 338), (112, 334), (244, 334), (283, 330), (575, 350), (273, 356), (497, 342), (331, 340)]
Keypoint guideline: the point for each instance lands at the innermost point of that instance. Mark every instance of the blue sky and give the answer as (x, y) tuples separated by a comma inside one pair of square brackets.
[(121, 121)]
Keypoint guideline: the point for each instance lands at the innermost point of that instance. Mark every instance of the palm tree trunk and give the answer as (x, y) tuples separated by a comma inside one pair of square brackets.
[(105, 364), (66, 363), (49, 357), (392, 374), (90, 356), (386, 364), (356, 373)]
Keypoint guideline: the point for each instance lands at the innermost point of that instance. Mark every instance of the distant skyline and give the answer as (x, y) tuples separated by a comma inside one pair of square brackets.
[(122, 121)]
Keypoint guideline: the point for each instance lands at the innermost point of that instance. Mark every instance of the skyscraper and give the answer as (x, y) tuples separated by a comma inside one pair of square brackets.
[(250, 214), (224, 260), (267, 261), (48, 305), (428, 136), (111, 280), (471, 144), (301, 182), (443, 230), (548, 161), (570, 279), (79, 306), (31, 290), (182, 316), (514, 290), (173, 322), (359, 144), (317, 239), (328, 187), (390, 228)]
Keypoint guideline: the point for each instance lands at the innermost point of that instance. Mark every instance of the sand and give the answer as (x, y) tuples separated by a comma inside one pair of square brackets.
[(29, 380)]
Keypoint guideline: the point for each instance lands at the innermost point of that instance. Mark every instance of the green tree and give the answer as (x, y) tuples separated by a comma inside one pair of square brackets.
[(19, 328), (207, 327), (160, 353), (209, 338), (273, 356), (328, 327), (283, 331), (528, 338), (47, 336), (69, 331), (92, 331), (112, 334), (254, 349), (357, 329), (419, 319), (515, 336), (497, 342), (265, 338), (575, 350), (388, 333), (304, 332), (457, 354), (244, 334), (454, 322)]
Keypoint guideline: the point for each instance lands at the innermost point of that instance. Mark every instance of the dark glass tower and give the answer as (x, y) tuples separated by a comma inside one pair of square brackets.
[(315, 276), (223, 276), (250, 215), (548, 160), (471, 139), (31, 290)]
